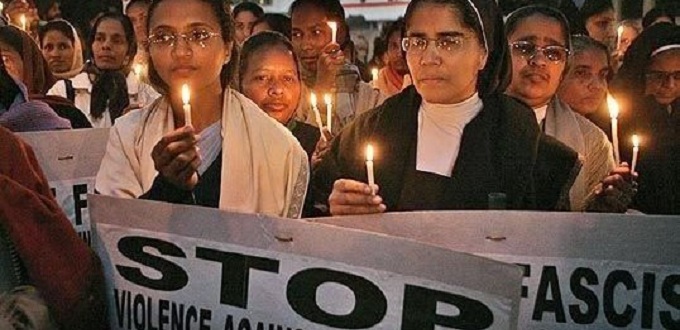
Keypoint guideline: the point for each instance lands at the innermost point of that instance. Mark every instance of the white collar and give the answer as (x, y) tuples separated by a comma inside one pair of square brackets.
[(540, 113)]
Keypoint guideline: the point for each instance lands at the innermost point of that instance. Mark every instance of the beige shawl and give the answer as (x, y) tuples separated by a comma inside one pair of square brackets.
[(589, 141), (264, 169)]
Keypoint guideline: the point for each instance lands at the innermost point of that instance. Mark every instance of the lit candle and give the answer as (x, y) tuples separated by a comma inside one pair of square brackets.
[(317, 115), (614, 114), (636, 149), (187, 107), (329, 112), (138, 71), (334, 31), (369, 167), (2, 7), (619, 33), (374, 73), (22, 19)]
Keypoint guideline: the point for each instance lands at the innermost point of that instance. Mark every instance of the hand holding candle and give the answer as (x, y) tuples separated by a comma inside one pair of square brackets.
[(186, 106), (329, 112), (334, 31), (369, 167), (614, 114), (636, 149)]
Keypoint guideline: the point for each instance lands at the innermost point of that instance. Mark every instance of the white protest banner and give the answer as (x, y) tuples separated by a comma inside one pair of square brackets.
[(70, 160), (582, 271), (180, 267)]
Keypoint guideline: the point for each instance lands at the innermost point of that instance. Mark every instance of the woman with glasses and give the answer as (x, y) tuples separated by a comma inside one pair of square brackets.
[(540, 44), (107, 87), (453, 140), (225, 151), (649, 82)]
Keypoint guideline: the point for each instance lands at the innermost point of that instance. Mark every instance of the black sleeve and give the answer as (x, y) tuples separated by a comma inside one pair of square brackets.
[(164, 191)]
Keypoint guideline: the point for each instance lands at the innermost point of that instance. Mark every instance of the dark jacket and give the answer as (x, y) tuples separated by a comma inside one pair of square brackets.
[(502, 150)]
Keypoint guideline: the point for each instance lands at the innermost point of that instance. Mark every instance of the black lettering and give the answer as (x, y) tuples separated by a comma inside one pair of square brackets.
[(120, 301), (79, 190), (140, 320), (173, 277), (549, 281), (648, 288), (149, 313), (191, 316), (610, 284), (585, 294), (229, 323), (672, 298), (244, 324), (236, 273), (260, 326), (420, 310), (163, 317), (526, 272), (177, 317), (370, 303), (54, 192), (205, 316)]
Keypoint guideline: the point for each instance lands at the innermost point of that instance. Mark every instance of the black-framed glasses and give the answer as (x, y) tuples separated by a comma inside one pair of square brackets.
[(168, 39), (661, 77), (528, 50), (419, 44)]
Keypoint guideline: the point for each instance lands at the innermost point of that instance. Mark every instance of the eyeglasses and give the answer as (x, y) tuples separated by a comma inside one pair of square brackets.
[(661, 77), (195, 37), (528, 50), (419, 44)]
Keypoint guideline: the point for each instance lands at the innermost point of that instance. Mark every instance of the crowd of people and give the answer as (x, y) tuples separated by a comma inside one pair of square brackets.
[(475, 106)]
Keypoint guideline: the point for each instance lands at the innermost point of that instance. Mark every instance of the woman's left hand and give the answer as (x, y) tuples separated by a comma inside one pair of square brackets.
[(615, 192)]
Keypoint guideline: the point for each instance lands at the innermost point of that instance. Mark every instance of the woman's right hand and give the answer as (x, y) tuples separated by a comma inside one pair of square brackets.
[(351, 197), (176, 158)]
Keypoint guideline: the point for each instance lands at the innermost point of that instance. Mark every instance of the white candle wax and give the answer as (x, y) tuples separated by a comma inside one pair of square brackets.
[(317, 115), (369, 167), (187, 105), (334, 31), (329, 112), (614, 114), (636, 149)]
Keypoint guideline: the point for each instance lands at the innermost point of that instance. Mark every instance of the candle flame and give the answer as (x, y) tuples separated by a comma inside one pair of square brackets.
[(613, 107), (374, 73), (22, 19), (636, 141), (327, 99), (185, 94), (138, 70), (369, 153), (620, 31), (312, 99)]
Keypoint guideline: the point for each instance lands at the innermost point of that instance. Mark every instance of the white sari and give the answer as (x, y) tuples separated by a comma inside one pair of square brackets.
[(264, 168)]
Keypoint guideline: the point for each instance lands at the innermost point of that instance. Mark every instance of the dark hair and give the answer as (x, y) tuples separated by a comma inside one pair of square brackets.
[(496, 74), (44, 6), (251, 7), (277, 22), (520, 15), (12, 37), (264, 41), (60, 26), (334, 12), (582, 43), (397, 26), (226, 23), (127, 28), (591, 8), (137, 2), (656, 13)]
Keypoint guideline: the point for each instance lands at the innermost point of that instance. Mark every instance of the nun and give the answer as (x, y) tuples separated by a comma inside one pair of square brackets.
[(452, 140)]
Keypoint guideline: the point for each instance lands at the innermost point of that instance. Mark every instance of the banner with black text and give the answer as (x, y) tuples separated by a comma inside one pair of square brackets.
[(70, 160), (581, 271), (173, 266)]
